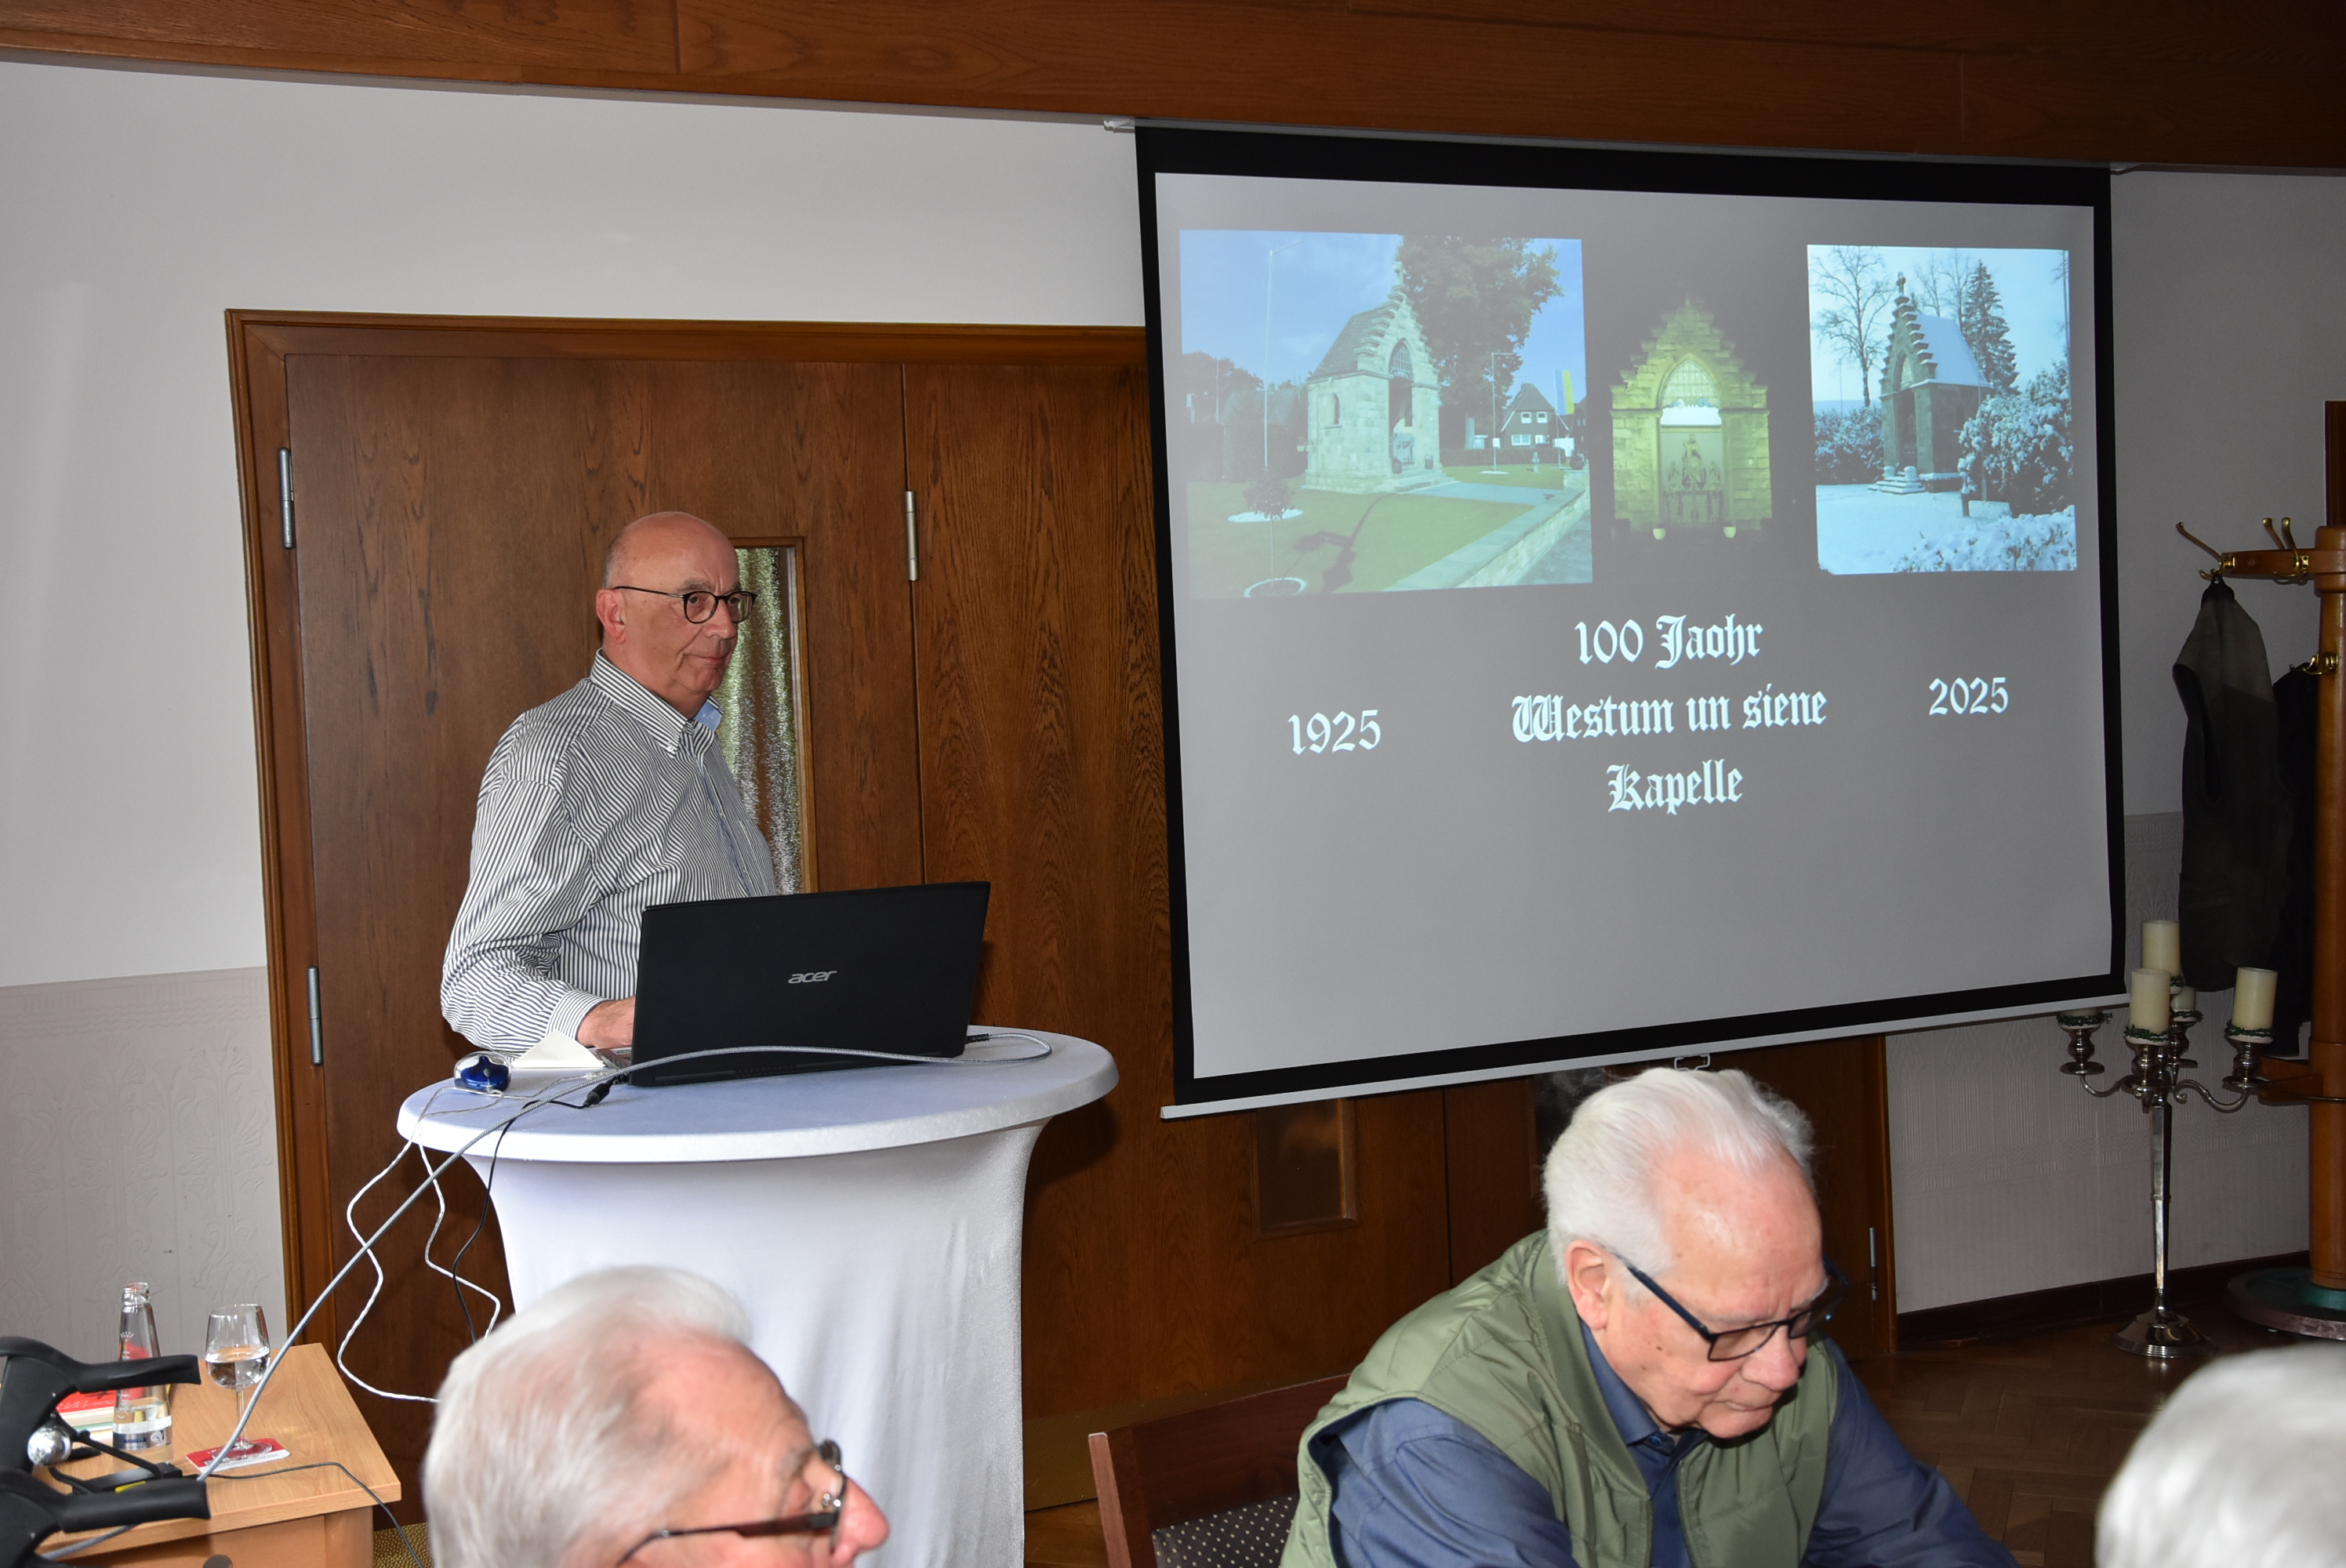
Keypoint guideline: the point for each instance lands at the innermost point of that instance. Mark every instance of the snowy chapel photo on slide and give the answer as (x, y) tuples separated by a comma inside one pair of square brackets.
[(1941, 385)]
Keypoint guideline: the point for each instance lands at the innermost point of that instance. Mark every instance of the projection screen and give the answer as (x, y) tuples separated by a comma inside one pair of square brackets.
[(1620, 605)]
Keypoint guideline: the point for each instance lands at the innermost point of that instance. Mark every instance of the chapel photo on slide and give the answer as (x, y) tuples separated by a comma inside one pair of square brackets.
[(1941, 386), (1357, 413)]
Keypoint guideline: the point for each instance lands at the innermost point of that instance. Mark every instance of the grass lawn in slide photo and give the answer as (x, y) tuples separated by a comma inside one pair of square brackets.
[(1397, 534)]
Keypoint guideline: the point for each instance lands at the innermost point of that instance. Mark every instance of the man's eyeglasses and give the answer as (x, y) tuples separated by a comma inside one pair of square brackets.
[(1734, 1344), (699, 604), (829, 1504)]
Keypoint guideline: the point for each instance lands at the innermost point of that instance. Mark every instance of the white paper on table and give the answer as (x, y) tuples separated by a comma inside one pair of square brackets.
[(556, 1053)]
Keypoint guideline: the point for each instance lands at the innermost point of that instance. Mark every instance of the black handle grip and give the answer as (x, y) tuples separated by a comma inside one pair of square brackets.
[(31, 1512), (181, 1497), (105, 1376)]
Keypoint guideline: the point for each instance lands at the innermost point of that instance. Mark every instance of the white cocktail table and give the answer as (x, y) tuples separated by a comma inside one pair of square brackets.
[(868, 1219)]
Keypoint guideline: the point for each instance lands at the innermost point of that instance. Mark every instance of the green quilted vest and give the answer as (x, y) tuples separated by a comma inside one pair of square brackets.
[(1503, 1353)]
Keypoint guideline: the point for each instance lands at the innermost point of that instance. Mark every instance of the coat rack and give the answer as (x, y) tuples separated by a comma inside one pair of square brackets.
[(2312, 1300)]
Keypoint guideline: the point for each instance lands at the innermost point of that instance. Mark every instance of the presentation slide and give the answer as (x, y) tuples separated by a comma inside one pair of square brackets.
[(1621, 620)]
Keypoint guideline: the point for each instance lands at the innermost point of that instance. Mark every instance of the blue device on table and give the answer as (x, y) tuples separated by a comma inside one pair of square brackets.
[(485, 1072)]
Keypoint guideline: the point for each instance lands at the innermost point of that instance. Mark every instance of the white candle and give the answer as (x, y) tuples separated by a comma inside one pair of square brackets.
[(2147, 1001), (2162, 946), (2186, 999), (2252, 998)]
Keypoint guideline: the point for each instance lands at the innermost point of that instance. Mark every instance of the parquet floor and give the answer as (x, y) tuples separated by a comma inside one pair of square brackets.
[(2029, 1430)]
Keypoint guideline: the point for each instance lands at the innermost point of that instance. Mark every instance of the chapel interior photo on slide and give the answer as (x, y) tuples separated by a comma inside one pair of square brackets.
[(1127, 787)]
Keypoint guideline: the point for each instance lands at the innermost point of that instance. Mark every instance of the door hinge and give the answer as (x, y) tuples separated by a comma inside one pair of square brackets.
[(1872, 1264), (285, 491), (317, 1024), (912, 542)]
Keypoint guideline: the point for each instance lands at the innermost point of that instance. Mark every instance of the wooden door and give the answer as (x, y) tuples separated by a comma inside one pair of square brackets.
[(451, 514)]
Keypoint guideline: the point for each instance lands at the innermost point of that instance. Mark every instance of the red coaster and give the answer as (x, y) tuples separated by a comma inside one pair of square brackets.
[(264, 1450)]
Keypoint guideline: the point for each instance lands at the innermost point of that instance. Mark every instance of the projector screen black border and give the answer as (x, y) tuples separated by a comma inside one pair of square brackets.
[(1390, 157)]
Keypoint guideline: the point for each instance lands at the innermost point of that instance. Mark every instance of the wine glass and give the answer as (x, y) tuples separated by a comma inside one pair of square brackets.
[(236, 1354)]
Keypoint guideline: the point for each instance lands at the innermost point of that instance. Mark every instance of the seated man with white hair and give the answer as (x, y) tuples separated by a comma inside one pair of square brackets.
[(621, 1419), (1640, 1383), (2239, 1470)]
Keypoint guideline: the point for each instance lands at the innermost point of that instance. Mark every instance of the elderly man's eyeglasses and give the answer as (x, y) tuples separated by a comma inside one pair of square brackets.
[(1734, 1344), (699, 604), (829, 1504)]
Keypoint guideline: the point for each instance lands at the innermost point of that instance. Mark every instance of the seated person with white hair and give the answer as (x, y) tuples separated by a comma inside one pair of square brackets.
[(621, 1419), (2239, 1470), (1640, 1383)]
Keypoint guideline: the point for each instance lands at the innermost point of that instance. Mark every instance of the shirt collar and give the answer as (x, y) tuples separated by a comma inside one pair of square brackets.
[(653, 712), (1630, 1416)]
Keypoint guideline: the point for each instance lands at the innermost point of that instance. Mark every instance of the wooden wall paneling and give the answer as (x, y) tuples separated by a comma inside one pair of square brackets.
[(1042, 771), (1490, 1161), (379, 335), (1843, 1085), (592, 37), (2097, 80), (1975, 26), (1237, 61), (2148, 98)]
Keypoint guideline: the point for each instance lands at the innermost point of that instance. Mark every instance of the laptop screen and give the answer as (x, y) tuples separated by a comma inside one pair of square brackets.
[(872, 969)]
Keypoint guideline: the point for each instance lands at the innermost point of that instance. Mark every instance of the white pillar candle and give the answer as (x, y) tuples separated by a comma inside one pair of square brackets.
[(2147, 1001), (2162, 946), (2186, 999), (2252, 998)]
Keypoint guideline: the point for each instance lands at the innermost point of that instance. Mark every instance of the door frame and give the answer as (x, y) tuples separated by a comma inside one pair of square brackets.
[(258, 343)]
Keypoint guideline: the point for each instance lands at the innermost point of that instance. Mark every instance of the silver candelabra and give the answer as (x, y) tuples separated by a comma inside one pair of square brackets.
[(2157, 1081)]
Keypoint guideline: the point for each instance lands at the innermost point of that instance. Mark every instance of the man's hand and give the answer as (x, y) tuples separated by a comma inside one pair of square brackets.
[(610, 1026)]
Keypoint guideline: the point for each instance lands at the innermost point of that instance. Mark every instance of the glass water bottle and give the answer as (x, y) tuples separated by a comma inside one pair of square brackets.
[(142, 1416)]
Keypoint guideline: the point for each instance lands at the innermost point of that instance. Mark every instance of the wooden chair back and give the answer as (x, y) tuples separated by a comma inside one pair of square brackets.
[(1154, 1473)]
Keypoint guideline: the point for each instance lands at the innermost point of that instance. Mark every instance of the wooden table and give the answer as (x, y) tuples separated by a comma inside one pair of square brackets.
[(267, 1516)]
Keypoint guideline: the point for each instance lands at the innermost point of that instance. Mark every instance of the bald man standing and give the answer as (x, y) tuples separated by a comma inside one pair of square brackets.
[(611, 798)]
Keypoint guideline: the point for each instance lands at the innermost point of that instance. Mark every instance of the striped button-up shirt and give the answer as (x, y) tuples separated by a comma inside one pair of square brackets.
[(595, 805)]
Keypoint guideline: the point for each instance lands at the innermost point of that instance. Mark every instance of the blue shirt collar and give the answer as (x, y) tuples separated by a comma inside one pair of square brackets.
[(1630, 1416)]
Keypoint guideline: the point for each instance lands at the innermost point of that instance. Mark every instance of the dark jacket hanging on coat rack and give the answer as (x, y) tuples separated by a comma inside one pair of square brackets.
[(2236, 810), (2294, 696)]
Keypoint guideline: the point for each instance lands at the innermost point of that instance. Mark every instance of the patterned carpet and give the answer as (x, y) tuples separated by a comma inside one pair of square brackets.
[(389, 1553)]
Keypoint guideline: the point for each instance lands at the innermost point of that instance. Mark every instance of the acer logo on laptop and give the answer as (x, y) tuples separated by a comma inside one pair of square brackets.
[(812, 976)]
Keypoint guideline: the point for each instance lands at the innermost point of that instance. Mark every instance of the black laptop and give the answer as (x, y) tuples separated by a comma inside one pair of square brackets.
[(875, 968)]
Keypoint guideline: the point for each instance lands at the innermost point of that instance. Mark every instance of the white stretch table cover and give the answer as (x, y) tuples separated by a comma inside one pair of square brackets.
[(869, 1220)]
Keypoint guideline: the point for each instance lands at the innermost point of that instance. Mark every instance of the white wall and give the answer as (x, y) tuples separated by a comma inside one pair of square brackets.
[(137, 1141), (2231, 333), (2007, 1177), (140, 205)]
